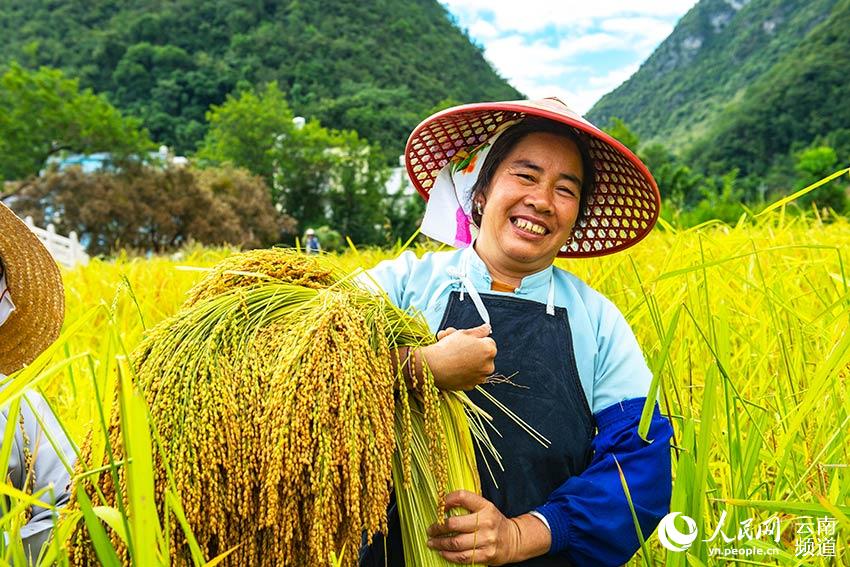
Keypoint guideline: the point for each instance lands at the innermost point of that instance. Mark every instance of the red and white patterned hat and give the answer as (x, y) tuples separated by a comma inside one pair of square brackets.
[(625, 202)]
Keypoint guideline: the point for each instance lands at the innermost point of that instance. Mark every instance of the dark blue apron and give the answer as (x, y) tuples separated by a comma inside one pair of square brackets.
[(537, 349)]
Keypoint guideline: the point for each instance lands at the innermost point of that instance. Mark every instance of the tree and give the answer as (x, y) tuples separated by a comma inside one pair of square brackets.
[(156, 210), (619, 131), (247, 129), (317, 175), (43, 112), (357, 194), (404, 215), (677, 183), (365, 63), (813, 164), (247, 195), (385, 113)]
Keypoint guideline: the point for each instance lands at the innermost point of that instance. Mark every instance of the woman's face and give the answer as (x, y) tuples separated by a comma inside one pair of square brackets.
[(531, 205)]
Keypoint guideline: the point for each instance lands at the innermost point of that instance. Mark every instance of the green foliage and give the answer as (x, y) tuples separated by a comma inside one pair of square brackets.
[(356, 190), (721, 199), (744, 89), (384, 113), (813, 164), (404, 215), (245, 130), (754, 89), (44, 112), (178, 88), (677, 182), (374, 67), (618, 130), (317, 175), (791, 105), (329, 239), (715, 53)]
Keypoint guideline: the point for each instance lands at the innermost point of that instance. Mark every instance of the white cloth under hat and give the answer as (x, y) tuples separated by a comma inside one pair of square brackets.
[(448, 214)]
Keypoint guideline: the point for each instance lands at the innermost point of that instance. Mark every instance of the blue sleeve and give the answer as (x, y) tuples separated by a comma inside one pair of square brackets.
[(588, 515)]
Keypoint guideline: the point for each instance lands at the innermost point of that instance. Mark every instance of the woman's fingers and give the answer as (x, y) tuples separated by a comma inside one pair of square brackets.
[(445, 333), (480, 331), (467, 500), (466, 523)]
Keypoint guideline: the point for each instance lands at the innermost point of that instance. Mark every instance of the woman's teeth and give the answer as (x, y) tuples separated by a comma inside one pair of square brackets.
[(529, 226)]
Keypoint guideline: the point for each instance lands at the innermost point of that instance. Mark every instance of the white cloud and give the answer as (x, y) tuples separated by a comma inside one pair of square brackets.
[(647, 31), (550, 47), (482, 29), (522, 60), (612, 79), (534, 15), (579, 97), (519, 59)]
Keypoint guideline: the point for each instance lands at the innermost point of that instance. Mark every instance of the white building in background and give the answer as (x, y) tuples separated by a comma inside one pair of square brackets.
[(399, 181), (92, 163)]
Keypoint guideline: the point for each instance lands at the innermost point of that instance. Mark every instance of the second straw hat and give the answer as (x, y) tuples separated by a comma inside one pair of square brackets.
[(35, 286)]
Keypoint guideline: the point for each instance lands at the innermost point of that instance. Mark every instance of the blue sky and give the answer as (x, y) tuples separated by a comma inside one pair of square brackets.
[(575, 50)]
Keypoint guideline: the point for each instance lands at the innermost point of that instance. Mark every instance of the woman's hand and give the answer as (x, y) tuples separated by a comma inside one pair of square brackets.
[(461, 359), (485, 536)]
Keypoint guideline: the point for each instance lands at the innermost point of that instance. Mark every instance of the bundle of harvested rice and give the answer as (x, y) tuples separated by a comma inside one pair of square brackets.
[(279, 413)]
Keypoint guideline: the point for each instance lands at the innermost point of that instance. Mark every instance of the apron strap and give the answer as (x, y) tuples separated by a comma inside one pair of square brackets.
[(466, 286)]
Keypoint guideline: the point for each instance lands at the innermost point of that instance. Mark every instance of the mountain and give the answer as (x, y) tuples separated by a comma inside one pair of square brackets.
[(741, 84), (377, 67)]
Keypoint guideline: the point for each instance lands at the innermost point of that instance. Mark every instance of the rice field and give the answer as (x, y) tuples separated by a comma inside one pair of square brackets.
[(745, 328)]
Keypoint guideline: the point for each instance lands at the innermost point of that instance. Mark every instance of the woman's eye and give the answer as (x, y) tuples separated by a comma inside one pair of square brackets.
[(566, 190), (525, 176)]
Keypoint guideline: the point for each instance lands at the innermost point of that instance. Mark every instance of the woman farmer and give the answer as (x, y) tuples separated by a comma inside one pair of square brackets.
[(512, 186), (32, 308)]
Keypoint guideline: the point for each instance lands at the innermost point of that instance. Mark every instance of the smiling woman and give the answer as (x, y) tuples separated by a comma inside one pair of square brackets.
[(513, 185)]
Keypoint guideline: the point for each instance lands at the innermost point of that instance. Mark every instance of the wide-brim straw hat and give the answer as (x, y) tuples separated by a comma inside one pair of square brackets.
[(625, 202), (35, 285)]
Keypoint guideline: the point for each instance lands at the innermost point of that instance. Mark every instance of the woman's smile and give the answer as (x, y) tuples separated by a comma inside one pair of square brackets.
[(528, 226)]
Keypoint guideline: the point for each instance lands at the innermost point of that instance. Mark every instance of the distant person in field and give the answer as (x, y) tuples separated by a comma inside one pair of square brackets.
[(32, 308), (311, 242), (512, 186)]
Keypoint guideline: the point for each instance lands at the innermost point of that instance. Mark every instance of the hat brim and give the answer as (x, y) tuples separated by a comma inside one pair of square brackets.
[(625, 203), (35, 285)]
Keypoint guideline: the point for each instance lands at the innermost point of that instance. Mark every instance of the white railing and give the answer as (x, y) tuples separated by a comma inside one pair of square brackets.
[(67, 251)]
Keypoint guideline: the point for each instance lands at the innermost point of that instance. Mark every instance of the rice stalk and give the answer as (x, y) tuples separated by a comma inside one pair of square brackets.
[(279, 414)]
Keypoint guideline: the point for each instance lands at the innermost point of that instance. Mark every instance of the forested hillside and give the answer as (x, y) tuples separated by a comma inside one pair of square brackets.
[(753, 92), (376, 67), (803, 99), (715, 53)]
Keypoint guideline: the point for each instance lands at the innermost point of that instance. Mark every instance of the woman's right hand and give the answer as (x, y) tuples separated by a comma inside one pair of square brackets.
[(461, 359)]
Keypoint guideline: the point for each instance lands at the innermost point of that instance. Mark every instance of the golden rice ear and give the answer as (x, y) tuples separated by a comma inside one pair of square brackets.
[(280, 399)]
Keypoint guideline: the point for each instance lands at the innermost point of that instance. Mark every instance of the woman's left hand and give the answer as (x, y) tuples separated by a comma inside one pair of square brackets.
[(483, 536)]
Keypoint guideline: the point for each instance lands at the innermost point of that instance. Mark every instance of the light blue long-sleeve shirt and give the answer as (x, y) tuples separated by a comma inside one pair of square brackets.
[(588, 515)]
